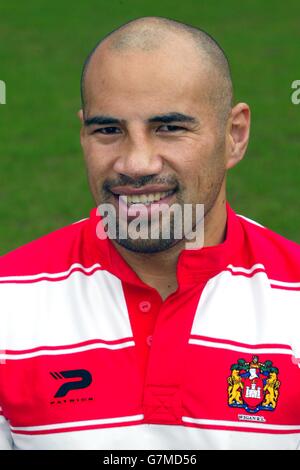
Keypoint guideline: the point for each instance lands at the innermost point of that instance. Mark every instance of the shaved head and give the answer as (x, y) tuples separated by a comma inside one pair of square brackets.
[(150, 34)]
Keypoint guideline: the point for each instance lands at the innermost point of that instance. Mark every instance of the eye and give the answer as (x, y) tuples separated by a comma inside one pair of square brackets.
[(107, 130), (170, 128)]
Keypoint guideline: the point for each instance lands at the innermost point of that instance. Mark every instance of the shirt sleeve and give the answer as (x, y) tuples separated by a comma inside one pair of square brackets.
[(6, 441)]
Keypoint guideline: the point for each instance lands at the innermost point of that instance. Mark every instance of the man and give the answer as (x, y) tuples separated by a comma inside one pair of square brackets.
[(111, 342)]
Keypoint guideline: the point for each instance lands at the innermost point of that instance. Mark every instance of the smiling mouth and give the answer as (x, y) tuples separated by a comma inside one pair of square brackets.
[(145, 198)]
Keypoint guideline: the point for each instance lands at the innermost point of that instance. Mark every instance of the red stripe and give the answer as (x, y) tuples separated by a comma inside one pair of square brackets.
[(45, 278), (68, 346), (130, 423), (241, 429), (245, 345), (80, 428), (117, 388), (240, 273), (249, 275), (274, 286)]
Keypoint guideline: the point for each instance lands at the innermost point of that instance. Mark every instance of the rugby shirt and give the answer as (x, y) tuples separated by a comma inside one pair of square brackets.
[(92, 358)]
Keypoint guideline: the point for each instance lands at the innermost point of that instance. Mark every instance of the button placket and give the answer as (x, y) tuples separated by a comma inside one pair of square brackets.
[(163, 391)]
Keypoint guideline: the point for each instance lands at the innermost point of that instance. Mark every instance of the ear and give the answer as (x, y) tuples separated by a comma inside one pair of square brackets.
[(80, 115), (238, 133)]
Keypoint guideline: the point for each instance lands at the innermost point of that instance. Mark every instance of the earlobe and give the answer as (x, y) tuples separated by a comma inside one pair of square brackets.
[(80, 115), (239, 127)]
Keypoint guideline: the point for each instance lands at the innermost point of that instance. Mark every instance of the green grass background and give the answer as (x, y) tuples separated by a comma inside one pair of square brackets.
[(42, 47)]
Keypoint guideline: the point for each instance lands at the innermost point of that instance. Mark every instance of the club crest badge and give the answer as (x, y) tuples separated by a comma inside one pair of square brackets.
[(253, 385)]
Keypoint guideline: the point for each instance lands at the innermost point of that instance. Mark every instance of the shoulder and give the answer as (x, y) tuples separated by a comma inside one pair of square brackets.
[(279, 255), (52, 253)]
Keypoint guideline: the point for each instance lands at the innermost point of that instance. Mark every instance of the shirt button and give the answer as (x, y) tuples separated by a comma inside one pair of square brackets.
[(149, 340), (144, 306)]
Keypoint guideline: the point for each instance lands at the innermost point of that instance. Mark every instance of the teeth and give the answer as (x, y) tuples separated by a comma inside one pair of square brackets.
[(144, 198)]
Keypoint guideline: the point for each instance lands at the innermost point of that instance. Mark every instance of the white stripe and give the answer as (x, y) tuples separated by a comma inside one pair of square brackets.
[(81, 220), (244, 424), (232, 306), (52, 275), (48, 352), (250, 220), (245, 270), (74, 311), (75, 424), (211, 344)]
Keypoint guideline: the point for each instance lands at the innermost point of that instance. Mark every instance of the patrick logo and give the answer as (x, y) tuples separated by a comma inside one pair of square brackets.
[(253, 385)]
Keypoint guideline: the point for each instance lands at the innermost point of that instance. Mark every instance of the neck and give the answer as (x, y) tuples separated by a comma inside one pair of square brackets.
[(159, 269)]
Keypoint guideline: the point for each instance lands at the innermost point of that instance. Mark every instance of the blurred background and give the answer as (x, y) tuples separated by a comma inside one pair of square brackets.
[(43, 45)]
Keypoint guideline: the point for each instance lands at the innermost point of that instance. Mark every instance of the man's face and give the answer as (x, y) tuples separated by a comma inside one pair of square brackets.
[(164, 140)]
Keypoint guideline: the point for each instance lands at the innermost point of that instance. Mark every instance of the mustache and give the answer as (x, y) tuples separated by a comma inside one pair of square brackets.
[(124, 180)]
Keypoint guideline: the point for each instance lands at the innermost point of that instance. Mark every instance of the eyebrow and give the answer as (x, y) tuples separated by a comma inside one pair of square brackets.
[(173, 117), (165, 118), (98, 120)]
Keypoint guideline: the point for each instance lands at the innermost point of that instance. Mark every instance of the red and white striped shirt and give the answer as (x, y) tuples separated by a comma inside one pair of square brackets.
[(92, 358)]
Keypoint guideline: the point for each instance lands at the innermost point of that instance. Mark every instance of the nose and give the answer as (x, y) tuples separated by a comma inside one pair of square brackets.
[(139, 158)]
